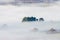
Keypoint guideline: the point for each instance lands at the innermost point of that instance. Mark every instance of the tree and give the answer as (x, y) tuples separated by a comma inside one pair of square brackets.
[(41, 19)]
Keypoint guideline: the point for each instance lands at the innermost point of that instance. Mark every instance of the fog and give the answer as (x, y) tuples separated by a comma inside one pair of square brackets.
[(12, 28)]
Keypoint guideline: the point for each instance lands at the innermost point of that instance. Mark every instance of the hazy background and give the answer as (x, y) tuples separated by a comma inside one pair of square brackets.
[(9, 13)]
